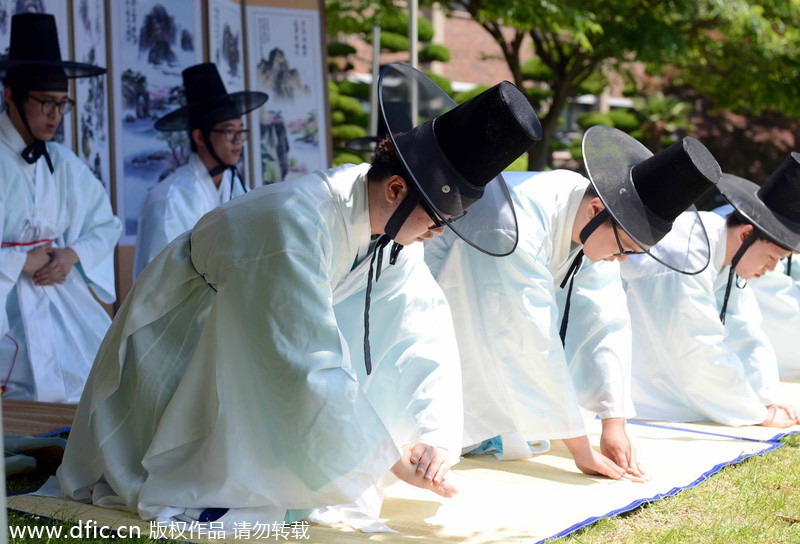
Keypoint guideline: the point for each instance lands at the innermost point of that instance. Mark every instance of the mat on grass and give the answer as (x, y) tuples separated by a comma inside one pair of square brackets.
[(791, 392), (518, 501), (32, 418)]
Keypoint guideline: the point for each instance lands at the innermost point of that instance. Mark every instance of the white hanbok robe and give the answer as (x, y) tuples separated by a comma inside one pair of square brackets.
[(231, 376), (49, 335), (688, 365), (174, 206), (518, 378), (778, 296)]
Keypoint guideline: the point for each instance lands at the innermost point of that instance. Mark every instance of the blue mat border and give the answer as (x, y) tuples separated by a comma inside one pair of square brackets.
[(775, 438), (773, 445)]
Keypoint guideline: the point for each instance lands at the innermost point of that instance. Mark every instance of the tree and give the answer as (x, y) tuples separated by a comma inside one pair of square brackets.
[(733, 50)]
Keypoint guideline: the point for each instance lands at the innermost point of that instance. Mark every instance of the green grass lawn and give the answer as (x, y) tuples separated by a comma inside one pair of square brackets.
[(755, 501)]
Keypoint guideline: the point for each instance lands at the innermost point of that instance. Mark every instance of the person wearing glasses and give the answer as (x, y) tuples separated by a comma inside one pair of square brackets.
[(212, 118), (56, 225), (546, 330), (699, 353), (287, 353)]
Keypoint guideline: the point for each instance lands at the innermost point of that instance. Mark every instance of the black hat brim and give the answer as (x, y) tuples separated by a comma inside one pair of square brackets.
[(609, 156), (366, 143), (71, 69), (179, 120), (490, 228), (743, 195)]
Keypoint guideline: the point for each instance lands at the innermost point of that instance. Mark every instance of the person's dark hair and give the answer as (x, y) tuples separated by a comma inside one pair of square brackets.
[(386, 163), (590, 192), (192, 144), (736, 219), (19, 93)]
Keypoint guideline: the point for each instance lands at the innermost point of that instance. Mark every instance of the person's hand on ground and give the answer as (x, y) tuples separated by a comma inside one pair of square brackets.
[(615, 445), (425, 466), (594, 463), (780, 416)]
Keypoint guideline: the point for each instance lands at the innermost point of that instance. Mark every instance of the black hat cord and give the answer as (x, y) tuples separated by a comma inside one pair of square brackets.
[(391, 230), (749, 241), (38, 148), (789, 265), (586, 231), (221, 165)]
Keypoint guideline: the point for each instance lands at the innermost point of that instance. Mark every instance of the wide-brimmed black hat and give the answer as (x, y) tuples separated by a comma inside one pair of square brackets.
[(644, 193), (401, 112), (34, 56), (452, 152), (774, 207), (207, 101)]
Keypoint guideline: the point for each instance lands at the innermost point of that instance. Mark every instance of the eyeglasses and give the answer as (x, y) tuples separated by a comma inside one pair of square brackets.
[(49, 107), (232, 135), (622, 251), (437, 221)]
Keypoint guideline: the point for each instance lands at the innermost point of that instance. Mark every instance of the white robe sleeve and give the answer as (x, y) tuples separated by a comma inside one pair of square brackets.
[(163, 218), (778, 298), (598, 342), (93, 232), (415, 384), (746, 339), (683, 366), (514, 370), (12, 262)]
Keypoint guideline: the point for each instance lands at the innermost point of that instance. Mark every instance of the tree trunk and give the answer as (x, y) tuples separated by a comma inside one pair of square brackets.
[(540, 156)]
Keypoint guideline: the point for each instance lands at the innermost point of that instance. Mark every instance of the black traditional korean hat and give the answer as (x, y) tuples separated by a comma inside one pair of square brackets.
[(34, 56), (398, 110), (34, 63), (774, 207), (207, 101), (452, 153), (644, 193)]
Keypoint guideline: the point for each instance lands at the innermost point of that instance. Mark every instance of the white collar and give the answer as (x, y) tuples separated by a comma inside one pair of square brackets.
[(11, 137)]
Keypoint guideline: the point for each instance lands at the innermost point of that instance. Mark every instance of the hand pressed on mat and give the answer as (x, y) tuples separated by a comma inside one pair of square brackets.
[(595, 463), (780, 416), (425, 466), (615, 444)]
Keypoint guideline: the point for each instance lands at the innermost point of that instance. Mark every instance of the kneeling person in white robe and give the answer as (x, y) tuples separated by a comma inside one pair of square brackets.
[(212, 117), (699, 352), (512, 315), (57, 229), (226, 389), (778, 296)]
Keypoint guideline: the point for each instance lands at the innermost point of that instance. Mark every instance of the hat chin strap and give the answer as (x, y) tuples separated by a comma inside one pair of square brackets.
[(586, 231), (391, 230), (749, 241), (593, 224), (221, 165), (38, 148)]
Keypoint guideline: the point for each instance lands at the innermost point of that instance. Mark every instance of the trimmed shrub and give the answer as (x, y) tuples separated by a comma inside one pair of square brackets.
[(343, 133), (356, 89), (625, 120), (345, 157), (463, 96), (434, 52), (340, 49), (592, 118)]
